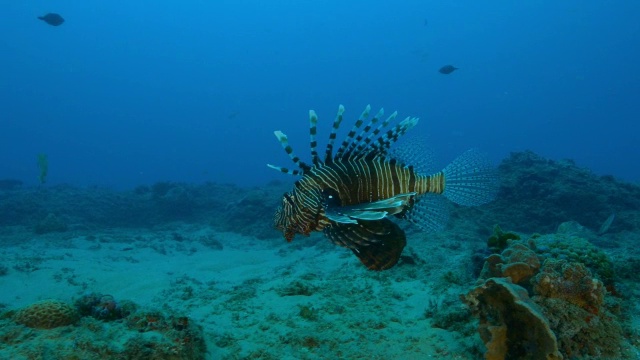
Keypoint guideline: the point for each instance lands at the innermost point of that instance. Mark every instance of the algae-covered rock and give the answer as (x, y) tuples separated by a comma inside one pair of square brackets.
[(47, 314), (517, 261), (498, 241), (581, 334), (103, 307), (568, 289), (569, 281), (511, 325), (575, 248), (148, 335)]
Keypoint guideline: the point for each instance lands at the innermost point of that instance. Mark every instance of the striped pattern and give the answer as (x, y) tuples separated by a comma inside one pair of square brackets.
[(359, 172), (365, 180), (356, 181), (351, 196)]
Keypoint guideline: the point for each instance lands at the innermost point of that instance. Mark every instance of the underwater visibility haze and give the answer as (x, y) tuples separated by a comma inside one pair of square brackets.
[(123, 94), (497, 186)]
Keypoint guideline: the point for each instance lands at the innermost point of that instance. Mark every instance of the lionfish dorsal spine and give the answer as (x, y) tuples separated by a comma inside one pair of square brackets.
[(363, 147), (284, 170), (358, 140), (384, 142), (352, 133), (313, 144), (332, 137), (284, 141)]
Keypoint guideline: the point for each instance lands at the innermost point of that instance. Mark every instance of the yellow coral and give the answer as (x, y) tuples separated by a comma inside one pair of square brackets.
[(47, 314)]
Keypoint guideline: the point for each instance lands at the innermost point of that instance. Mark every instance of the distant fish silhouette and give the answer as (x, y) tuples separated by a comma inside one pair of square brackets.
[(607, 224), (52, 19), (447, 69)]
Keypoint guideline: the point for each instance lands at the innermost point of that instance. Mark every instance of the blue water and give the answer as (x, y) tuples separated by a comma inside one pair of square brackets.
[(127, 93)]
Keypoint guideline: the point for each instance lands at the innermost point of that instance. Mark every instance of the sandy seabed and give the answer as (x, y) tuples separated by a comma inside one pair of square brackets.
[(254, 298)]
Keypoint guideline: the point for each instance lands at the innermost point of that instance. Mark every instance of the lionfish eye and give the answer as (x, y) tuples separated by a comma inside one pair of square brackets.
[(331, 197)]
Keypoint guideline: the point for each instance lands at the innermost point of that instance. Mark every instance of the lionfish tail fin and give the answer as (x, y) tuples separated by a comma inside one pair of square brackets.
[(470, 180)]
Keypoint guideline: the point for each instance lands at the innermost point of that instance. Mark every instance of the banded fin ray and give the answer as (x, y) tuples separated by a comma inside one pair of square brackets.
[(284, 141), (332, 137), (353, 147), (363, 146), (384, 142), (313, 144), (358, 140), (346, 143), (377, 244)]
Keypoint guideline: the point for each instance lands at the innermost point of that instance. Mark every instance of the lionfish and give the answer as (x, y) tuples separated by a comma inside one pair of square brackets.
[(352, 195)]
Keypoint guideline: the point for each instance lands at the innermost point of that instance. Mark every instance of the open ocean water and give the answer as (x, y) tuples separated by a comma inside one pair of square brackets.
[(138, 216)]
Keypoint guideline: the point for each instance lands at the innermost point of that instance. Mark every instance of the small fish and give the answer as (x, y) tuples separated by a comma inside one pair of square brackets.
[(447, 69), (606, 224), (52, 19), (353, 195)]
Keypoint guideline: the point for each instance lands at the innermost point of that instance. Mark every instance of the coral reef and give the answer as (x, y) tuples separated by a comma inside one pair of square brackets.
[(573, 245), (511, 325), (47, 314), (570, 299), (149, 335), (226, 207), (535, 192), (103, 307), (569, 281), (517, 262), (499, 240)]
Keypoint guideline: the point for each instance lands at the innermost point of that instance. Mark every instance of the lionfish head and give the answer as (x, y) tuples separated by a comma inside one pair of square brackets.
[(284, 219)]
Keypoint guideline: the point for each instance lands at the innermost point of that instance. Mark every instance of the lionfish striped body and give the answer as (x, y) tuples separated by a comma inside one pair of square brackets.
[(352, 195)]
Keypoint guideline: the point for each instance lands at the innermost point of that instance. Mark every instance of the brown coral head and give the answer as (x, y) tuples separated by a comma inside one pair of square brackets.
[(47, 314)]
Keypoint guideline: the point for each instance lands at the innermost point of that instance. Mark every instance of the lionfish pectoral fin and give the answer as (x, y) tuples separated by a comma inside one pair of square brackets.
[(430, 212), (392, 205), (339, 217), (375, 210), (378, 244), (381, 256)]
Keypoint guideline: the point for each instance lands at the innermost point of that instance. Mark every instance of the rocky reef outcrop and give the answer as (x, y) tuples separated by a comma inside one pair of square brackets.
[(536, 301)]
